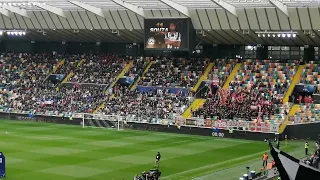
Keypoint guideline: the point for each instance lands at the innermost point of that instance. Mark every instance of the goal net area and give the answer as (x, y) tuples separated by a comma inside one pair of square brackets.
[(103, 121)]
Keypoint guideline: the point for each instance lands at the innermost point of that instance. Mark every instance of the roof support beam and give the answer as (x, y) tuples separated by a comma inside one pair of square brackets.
[(21, 12), (182, 9), (130, 7), (93, 9), (279, 5), (52, 9), (5, 12), (228, 7)]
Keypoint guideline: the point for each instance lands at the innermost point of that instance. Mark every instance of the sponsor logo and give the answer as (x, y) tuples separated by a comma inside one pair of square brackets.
[(151, 41), (25, 118), (215, 134)]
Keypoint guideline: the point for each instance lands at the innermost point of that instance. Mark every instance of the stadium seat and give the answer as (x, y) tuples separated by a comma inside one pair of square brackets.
[(307, 113), (255, 93), (221, 70)]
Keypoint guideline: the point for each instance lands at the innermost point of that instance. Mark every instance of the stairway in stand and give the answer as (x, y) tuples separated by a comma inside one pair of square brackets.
[(232, 75), (294, 81), (59, 64), (143, 74), (67, 77), (122, 73), (81, 62), (292, 112), (195, 105), (101, 106), (203, 77)]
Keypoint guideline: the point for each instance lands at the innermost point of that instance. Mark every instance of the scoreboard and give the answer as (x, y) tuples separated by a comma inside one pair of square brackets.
[(173, 34)]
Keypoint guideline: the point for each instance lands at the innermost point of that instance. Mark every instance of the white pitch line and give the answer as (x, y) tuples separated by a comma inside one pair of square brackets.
[(37, 137), (210, 166), (206, 175)]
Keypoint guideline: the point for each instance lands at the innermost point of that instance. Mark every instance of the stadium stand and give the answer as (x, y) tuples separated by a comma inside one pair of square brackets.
[(22, 75), (307, 113), (221, 70), (174, 72), (138, 67), (305, 110), (255, 93), (150, 107), (69, 66), (311, 74), (99, 70), (25, 88)]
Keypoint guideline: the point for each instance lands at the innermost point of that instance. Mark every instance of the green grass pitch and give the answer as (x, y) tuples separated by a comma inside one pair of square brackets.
[(41, 151)]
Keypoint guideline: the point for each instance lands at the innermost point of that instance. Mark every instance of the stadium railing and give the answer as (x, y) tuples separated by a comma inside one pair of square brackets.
[(174, 120)]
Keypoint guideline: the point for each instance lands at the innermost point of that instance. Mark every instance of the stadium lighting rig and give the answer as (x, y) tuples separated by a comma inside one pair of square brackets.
[(273, 34), (13, 32)]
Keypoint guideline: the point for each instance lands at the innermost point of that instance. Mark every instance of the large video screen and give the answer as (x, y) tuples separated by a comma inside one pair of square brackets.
[(167, 34)]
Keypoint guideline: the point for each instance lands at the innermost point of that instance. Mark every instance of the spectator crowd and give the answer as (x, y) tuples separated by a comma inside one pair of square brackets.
[(156, 103), (99, 69), (25, 88), (175, 72), (255, 93)]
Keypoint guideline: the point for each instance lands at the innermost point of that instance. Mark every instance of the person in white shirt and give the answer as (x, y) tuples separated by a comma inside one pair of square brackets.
[(173, 38)]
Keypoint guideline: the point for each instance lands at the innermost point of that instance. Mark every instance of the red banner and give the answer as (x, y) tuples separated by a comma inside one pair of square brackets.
[(245, 125), (260, 127), (221, 124), (208, 123), (266, 128)]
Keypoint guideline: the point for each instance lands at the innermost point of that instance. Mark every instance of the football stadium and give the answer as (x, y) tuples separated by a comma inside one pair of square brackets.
[(160, 90)]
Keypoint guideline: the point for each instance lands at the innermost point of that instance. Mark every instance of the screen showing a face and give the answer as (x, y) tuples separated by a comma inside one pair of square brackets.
[(166, 34)]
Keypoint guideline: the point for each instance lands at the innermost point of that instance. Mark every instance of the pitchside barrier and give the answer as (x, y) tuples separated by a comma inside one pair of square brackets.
[(175, 124)]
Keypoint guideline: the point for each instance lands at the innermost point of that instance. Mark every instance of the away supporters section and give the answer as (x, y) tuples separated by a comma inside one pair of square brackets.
[(265, 127)]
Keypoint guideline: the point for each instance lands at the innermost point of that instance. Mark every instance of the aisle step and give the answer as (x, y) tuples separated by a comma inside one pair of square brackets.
[(66, 79), (195, 105), (101, 106), (143, 74), (292, 112), (59, 64), (71, 74), (203, 77), (295, 80), (232, 75), (81, 62), (122, 73)]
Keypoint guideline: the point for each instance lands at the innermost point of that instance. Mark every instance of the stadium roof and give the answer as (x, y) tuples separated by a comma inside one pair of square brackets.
[(221, 21), (156, 4)]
